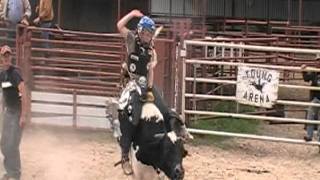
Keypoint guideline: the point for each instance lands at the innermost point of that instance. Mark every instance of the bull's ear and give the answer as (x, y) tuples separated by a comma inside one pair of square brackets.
[(159, 135)]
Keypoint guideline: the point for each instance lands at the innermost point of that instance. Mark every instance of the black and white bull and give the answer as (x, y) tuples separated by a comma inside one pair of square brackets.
[(157, 147)]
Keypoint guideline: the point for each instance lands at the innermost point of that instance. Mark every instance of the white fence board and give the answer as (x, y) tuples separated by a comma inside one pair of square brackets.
[(52, 108), (51, 97), (91, 111), (93, 122), (56, 120)]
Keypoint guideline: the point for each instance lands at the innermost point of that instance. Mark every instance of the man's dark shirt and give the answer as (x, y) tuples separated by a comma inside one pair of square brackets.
[(315, 81), (10, 80)]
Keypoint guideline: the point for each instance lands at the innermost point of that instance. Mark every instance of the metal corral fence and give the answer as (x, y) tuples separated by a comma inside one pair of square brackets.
[(70, 75), (192, 96), (256, 56)]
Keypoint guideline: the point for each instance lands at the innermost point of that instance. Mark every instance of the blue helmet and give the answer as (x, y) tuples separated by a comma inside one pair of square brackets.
[(146, 23)]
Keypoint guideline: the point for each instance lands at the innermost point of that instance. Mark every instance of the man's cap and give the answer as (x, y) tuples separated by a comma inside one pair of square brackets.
[(5, 49)]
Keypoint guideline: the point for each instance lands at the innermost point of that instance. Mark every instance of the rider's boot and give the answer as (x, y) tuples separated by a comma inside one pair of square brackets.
[(125, 164), (127, 130)]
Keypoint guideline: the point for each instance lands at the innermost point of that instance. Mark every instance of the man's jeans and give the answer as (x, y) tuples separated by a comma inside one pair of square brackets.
[(11, 35), (10, 142), (312, 114), (45, 34)]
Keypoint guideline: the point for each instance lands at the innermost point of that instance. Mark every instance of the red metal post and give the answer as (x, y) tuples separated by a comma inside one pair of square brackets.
[(204, 15), (224, 14), (289, 11), (300, 12), (59, 13), (268, 17), (149, 7), (119, 10), (246, 18), (23, 61)]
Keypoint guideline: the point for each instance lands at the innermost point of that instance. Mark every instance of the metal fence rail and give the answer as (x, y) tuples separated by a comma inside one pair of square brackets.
[(191, 79), (85, 62), (68, 70)]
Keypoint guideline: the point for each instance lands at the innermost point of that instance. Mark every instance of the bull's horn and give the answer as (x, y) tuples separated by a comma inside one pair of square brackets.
[(159, 135)]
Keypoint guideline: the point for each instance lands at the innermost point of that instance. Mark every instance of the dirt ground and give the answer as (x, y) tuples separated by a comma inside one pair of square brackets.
[(63, 153)]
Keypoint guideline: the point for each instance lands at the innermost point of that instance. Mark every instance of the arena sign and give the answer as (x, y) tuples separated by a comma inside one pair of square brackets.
[(257, 86)]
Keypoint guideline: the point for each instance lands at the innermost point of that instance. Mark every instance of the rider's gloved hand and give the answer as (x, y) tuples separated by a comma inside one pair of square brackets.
[(147, 95), (150, 96)]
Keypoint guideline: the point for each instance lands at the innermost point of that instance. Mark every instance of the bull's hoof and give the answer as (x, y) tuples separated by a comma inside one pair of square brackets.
[(127, 168), (307, 138)]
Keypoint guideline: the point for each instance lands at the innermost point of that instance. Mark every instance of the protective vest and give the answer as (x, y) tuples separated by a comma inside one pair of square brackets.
[(139, 59)]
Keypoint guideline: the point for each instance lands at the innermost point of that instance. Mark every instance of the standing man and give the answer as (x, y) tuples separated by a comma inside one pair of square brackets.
[(313, 111), (14, 98), (44, 19), (15, 12)]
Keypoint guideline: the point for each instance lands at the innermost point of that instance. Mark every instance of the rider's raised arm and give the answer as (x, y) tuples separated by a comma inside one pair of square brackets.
[(121, 25)]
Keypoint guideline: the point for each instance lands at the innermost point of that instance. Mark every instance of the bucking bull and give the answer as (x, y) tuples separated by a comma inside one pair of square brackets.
[(157, 146)]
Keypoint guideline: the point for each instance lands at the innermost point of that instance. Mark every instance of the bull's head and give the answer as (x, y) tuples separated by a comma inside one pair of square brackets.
[(172, 154)]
